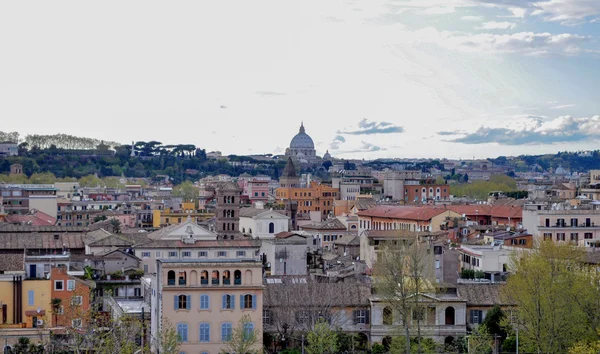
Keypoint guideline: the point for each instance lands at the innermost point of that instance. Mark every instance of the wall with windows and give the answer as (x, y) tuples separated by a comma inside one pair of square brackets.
[(205, 300)]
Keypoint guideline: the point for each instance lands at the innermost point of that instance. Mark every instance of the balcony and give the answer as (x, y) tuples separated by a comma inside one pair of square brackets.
[(204, 281), (215, 282), (171, 282), (182, 282), (237, 281), (226, 281)]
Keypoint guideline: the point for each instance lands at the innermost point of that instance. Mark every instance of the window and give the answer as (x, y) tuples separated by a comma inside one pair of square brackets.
[(70, 285), (247, 301), (182, 332), (226, 330), (145, 254), (476, 316), (587, 235), (222, 254), (560, 236), (157, 254), (58, 285), (182, 302), (186, 254), (76, 300), (60, 310), (547, 236), (145, 268), (76, 323), (418, 314), (204, 302), (574, 236), (172, 254), (266, 317), (248, 330), (204, 332), (202, 254), (302, 316), (137, 292), (228, 302), (361, 316), (241, 253), (30, 297)]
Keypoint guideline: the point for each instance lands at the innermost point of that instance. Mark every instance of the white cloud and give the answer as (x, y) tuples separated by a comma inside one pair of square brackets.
[(517, 12), (472, 18), (492, 25), (562, 106), (439, 10)]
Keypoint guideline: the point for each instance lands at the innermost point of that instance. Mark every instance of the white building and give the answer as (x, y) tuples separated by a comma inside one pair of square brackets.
[(262, 223), (8, 148), (286, 254)]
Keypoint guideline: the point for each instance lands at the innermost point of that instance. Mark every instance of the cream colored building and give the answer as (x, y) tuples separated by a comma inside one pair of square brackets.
[(205, 299)]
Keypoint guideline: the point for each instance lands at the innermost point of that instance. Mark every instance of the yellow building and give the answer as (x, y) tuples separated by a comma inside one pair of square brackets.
[(32, 307), (169, 217)]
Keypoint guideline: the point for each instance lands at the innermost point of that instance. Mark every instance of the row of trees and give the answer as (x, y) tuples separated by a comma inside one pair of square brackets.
[(480, 189)]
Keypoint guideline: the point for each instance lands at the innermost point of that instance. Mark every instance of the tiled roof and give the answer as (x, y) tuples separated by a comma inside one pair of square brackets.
[(401, 233), (480, 294), (312, 294), (252, 212), (35, 218), (41, 241), (329, 224), (12, 261), (347, 240), (286, 234), (5, 227)]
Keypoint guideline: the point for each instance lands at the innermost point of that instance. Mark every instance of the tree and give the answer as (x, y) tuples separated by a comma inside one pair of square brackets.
[(187, 191), (547, 288), (480, 341), (116, 225), (244, 338), (401, 273), (493, 322), (322, 339)]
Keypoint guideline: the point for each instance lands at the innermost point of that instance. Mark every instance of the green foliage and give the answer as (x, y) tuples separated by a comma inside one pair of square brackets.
[(555, 304), (481, 189), (378, 348), (480, 340), (398, 346), (493, 321), (186, 190), (472, 274), (243, 339), (322, 340), (509, 345), (24, 346)]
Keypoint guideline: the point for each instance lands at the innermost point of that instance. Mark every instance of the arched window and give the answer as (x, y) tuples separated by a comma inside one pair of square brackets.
[(388, 316), (226, 277), (449, 315), (171, 277), (250, 230), (215, 277), (243, 230), (248, 277), (271, 228), (233, 213), (232, 200), (182, 302), (203, 277), (193, 277), (237, 277), (204, 302), (204, 332), (182, 332), (224, 213), (248, 301), (182, 278)]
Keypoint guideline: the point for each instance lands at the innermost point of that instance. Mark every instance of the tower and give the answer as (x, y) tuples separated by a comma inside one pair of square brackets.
[(289, 178), (227, 220)]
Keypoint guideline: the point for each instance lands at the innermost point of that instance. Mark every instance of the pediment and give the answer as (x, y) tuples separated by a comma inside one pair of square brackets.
[(270, 214), (189, 229)]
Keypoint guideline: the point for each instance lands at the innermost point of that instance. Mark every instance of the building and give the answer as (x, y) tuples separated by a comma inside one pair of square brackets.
[(580, 226), (255, 188), (419, 193), (316, 198), (22, 198), (285, 254), (263, 223), (204, 312), (327, 231), (16, 169), (410, 218), (302, 148), (9, 148), (493, 260), (71, 299), (167, 217), (25, 302), (480, 298), (227, 221)]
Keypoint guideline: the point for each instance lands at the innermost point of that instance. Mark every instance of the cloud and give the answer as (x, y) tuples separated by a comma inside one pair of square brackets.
[(367, 128), (472, 18), (270, 93), (492, 25), (559, 130), (439, 10), (562, 106), (445, 133), (528, 43), (337, 141), (368, 147)]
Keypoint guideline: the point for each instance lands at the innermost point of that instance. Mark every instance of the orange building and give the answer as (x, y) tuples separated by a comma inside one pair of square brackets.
[(71, 299), (317, 197)]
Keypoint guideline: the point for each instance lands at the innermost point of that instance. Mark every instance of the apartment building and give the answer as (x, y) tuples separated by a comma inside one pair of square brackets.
[(21, 198), (204, 300), (579, 226)]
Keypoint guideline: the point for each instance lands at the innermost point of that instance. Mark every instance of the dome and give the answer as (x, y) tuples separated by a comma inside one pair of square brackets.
[(327, 155), (302, 140)]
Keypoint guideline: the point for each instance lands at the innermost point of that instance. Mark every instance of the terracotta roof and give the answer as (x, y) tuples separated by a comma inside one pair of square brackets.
[(498, 211), (5, 227), (480, 294), (286, 234), (401, 233), (42, 241), (34, 218), (402, 212), (329, 224)]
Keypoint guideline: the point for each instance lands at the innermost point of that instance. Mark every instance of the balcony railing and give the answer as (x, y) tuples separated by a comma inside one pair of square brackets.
[(215, 282), (171, 282), (237, 281), (182, 282), (204, 281), (226, 281)]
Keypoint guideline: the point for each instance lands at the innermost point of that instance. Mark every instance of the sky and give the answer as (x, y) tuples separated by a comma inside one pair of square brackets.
[(368, 78)]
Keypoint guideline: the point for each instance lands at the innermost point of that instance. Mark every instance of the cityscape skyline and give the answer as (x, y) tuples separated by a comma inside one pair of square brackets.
[(454, 78)]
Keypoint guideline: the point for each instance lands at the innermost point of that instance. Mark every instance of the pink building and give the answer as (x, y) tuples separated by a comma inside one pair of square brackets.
[(256, 188)]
